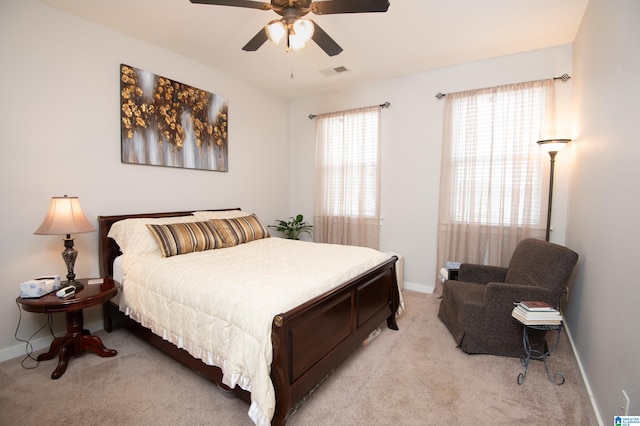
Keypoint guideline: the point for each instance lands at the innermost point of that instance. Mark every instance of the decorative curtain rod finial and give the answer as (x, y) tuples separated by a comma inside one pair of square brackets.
[(563, 77)]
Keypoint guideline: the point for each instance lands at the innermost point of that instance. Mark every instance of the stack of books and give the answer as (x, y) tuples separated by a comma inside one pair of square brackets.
[(536, 313)]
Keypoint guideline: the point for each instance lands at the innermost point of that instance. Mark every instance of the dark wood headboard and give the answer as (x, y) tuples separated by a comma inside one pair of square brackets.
[(109, 250)]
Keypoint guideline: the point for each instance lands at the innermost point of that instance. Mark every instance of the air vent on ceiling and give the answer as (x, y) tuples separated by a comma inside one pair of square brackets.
[(333, 71)]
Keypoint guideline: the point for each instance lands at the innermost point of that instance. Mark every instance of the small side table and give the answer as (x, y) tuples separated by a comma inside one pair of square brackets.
[(76, 340), (530, 353)]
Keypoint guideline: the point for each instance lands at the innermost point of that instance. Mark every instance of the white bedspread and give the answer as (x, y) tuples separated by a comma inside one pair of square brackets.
[(219, 304)]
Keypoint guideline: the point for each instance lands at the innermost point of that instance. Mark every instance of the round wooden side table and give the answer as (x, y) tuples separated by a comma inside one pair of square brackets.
[(76, 340)]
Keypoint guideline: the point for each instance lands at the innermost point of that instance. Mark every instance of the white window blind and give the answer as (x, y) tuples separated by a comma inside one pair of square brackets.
[(490, 182), (494, 181), (350, 164), (347, 173)]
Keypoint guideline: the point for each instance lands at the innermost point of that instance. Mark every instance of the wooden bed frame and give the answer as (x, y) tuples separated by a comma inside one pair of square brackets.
[(309, 341)]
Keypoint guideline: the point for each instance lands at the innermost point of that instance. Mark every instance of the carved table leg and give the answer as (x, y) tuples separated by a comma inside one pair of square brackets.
[(63, 360), (53, 350), (76, 341), (94, 344)]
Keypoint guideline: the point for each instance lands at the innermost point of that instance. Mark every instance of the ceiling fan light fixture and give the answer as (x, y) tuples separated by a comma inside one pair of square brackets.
[(300, 33), (296, 42), (276, 30), (303, 29), (291, 11)]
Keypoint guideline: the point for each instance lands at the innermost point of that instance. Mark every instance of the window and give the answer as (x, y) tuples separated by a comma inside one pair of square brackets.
[(490, 183), (349, 163), (494, 180), (347, 177)]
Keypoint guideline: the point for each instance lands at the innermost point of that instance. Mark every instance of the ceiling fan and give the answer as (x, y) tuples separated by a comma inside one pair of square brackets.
[(297, 30)]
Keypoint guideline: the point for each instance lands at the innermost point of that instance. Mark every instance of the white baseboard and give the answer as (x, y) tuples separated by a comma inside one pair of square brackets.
[(584, 377), (20, 350), (422, 288)]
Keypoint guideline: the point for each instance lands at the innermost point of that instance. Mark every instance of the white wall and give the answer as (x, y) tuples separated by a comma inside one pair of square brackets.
[(60, 135), (603, 227), (411, 147), (60, 121)]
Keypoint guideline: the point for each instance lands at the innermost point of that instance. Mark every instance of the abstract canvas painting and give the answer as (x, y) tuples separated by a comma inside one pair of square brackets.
[(167, 123)]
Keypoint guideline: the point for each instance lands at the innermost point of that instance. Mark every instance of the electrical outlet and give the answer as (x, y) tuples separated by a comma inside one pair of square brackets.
[(624, 405)]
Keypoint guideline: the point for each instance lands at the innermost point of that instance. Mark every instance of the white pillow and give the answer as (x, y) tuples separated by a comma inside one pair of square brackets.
[(222, 214), (133, 236)]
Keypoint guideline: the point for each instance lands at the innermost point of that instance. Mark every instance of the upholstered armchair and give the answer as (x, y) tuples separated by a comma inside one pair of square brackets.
[(477, 307)]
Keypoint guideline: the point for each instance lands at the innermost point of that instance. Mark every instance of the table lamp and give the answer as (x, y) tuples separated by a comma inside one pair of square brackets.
[(65, 217)]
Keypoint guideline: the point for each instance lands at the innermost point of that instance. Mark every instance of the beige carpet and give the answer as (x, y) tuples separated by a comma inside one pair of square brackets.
[(414, 376)]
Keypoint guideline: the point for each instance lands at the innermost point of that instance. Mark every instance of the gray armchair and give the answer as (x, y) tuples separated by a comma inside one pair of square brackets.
[(477, 307)]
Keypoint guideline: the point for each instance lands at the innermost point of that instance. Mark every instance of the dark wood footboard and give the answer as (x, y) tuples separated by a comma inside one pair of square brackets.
[(309, 341), (312, 339)]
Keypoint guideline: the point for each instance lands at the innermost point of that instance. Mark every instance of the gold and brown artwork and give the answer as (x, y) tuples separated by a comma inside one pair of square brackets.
[(167, 123)]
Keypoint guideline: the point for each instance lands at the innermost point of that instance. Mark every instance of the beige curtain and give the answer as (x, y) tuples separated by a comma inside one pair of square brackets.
[(347, 178), (491, 183)]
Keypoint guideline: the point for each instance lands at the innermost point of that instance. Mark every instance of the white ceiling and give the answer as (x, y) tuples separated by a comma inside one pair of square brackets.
[(412, 36)]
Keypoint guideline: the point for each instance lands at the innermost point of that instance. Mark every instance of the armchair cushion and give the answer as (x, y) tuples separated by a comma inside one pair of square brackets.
[(481, 273)]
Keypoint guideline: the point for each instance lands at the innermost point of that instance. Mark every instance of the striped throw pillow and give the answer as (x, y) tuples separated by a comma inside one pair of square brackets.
[(240, 230), (189, 237)]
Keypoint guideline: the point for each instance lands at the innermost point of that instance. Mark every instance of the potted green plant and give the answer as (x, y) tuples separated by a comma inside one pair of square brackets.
[(293, 228)]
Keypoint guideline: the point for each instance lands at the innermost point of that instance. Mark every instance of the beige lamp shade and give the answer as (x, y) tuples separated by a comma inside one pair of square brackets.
[(65, 217), (553, 145)]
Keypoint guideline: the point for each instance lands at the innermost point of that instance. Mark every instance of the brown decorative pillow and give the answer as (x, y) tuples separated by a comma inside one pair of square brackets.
[(240, 230), (133, 236), (181, 238)]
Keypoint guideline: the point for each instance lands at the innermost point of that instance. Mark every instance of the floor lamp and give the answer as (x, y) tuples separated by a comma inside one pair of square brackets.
[(552, 146)]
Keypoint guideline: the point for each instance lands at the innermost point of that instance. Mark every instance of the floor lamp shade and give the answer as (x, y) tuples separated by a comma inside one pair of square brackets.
[(65, 217)]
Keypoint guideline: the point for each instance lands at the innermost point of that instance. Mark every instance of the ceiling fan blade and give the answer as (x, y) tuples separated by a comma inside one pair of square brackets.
[(257, 41), (325, 42), (348, 6), (237, 3)]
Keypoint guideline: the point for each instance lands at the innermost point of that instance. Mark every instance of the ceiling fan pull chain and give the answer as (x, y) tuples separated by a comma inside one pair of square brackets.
[(290, 64)]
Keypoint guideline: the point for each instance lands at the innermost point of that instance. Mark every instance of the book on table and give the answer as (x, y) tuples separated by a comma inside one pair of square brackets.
[(545, 317), (536, 306), (537, 315)]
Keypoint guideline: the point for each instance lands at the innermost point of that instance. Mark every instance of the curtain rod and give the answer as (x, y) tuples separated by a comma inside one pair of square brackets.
[(563, 77), (387, 104)]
